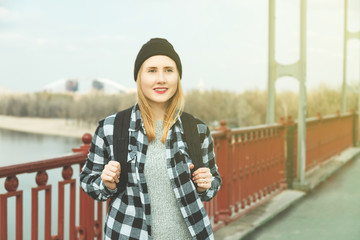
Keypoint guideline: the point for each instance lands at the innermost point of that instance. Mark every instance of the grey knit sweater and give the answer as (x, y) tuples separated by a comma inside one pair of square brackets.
[(166, 219)]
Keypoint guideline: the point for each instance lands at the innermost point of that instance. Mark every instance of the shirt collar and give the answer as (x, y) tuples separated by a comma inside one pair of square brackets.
[(136, 122), (178, 124)]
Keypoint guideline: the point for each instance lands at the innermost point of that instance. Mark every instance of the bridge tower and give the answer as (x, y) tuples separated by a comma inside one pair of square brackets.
[(296, 70), (347, 36)]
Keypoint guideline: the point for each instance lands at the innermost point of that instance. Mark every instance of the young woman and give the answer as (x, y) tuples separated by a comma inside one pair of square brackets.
[(162, 198)]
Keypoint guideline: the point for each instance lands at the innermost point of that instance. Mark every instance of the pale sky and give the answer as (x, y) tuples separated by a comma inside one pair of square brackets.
[(222, 44)]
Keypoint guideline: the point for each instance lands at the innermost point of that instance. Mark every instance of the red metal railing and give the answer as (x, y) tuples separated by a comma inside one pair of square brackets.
[(251, 162), (40, 167), (325, 137)]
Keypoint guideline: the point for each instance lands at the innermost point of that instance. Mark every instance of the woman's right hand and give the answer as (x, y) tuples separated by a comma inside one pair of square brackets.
[(111, 174)]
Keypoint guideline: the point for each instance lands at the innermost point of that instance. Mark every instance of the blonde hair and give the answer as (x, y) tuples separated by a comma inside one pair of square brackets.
[(173, 111)]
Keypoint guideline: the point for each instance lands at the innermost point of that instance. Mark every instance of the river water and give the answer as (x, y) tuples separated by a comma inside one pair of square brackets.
[(18, 147)]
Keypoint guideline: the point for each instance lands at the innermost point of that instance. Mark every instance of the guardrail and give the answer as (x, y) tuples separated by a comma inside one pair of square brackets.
[(40, 167), (325, 137)]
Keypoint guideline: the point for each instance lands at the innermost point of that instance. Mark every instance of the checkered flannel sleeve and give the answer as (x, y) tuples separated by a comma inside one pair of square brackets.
[(208, 157), (98, 157)]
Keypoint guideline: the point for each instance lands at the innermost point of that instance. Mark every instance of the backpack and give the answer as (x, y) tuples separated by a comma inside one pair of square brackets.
[(121, 141)]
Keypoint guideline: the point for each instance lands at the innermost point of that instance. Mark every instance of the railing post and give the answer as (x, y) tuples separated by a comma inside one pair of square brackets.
[(280, 149), (290, 128), (319, 151), (338, 132), (85, 230), (354, 127), (357, 127), (67, 173), (223, 161), (11, 185), (41, 180)]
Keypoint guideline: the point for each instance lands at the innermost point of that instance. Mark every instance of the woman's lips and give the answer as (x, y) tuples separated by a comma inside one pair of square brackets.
[(160, 90)]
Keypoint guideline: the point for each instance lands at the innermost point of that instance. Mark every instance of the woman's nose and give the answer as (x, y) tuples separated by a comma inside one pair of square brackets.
[(161, 77)]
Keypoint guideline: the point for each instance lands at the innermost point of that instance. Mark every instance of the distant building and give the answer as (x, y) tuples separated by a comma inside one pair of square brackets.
[(72, 85), (98, 85), (85, 85)]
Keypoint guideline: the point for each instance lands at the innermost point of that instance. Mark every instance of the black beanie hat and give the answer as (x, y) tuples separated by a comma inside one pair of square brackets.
[(156, 46)]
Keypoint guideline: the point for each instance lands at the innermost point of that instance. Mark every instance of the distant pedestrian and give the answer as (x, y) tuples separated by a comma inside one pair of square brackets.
[(157, 191)]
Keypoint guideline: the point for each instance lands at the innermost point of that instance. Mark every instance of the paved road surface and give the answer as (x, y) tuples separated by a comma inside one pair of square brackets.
[(331, 211)]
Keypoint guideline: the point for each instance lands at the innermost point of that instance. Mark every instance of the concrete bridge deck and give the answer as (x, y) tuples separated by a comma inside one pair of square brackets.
[(327, 211)]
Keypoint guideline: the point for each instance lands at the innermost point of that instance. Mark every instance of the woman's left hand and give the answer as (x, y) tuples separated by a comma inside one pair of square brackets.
[(202, 177)]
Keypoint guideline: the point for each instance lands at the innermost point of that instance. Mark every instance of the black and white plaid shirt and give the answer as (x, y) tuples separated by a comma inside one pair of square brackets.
[(129, 215)]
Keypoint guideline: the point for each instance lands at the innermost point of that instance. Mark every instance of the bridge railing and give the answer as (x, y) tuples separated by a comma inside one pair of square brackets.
[(253, 163), (325, 137), (40, 167)]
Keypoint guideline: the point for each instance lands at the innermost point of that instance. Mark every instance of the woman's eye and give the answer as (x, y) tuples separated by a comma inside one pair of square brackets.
[(169, 70), (151, 70)]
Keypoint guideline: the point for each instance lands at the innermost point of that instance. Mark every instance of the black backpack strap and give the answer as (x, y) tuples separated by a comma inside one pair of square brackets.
[(192, 139), (121, 142)]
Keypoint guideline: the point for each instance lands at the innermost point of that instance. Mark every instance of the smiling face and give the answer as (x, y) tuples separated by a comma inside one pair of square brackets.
[(158, 80)]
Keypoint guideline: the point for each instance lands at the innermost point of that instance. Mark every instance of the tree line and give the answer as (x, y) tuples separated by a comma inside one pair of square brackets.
[(249, 108), (238, 109)]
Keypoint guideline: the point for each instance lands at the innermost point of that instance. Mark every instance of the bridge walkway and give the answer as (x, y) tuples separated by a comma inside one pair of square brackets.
[(330, 210)]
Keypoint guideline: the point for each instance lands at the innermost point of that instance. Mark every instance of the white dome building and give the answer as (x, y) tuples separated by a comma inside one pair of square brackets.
[(85, 85)]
